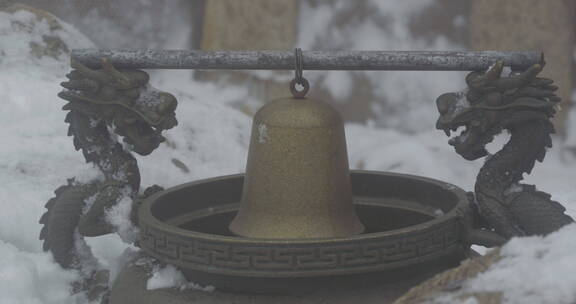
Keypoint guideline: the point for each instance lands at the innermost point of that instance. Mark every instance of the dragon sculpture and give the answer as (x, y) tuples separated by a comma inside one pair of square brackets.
[(103, 106), (523, 104)]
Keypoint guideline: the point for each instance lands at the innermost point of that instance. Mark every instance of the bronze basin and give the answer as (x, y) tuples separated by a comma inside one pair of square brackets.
[(410, 222)]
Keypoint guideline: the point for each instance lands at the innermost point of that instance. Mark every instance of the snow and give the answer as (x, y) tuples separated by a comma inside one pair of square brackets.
[(212, 139), (533, 270), (119, 217), (540, 270), (37, 157), (170, 277), (29, 277), (35, 147), (149, 97), (462, 102), (401, 97)]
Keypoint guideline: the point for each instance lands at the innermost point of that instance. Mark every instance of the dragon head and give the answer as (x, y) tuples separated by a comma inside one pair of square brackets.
[(492, 104), (124, 100)]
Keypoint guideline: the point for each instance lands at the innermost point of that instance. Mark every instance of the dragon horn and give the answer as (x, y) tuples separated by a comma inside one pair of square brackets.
[(478, 80), (494, 72), (86, 71), (519, 80), (118, 76), (530, 74)]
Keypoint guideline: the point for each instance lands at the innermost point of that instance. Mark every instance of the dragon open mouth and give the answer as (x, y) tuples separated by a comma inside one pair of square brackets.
[(467, 139)]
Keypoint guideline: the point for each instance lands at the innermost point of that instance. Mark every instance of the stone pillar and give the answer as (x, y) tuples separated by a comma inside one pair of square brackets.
[(530, 25), (250, 25)]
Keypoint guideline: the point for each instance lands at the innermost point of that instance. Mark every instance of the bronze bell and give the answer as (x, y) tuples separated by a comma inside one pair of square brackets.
[(297, 182)]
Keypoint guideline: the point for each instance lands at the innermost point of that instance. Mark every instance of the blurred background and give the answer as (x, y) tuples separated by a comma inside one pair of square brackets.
[(390, 116), (402, 100)]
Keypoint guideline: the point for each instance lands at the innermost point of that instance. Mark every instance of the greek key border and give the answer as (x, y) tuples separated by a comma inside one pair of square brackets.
[(273, 258)]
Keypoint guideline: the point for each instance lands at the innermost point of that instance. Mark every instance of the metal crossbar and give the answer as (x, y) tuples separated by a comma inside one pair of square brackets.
[(312, 60)]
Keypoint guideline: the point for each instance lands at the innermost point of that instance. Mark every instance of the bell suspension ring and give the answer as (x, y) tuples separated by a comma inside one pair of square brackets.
[(298, 78)]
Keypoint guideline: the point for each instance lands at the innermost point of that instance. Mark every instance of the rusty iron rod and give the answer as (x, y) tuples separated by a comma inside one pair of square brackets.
[(313, 60)]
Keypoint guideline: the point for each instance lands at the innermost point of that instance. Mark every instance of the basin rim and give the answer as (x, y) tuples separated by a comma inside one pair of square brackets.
[(165, 242)]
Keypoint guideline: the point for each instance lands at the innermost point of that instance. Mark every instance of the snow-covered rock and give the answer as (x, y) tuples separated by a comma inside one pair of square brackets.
[(533, 269), (30, 277), (36, 155)]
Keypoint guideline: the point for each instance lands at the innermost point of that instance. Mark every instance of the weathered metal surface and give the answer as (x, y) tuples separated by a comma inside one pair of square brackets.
[(313, 60), (186, 226), (297, 181)]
